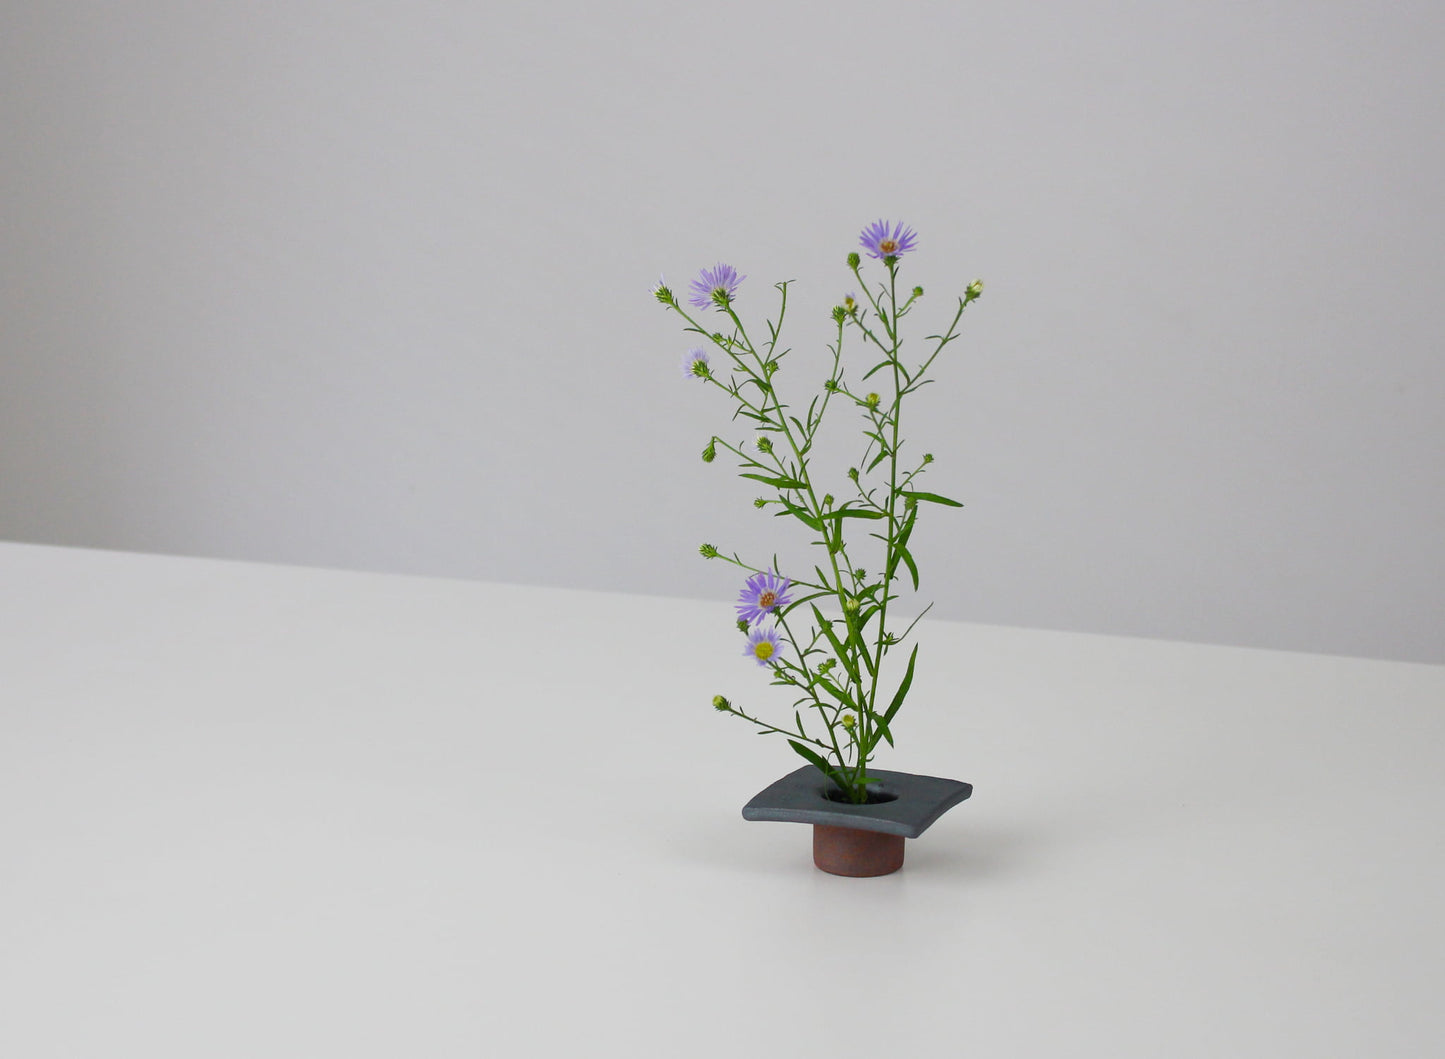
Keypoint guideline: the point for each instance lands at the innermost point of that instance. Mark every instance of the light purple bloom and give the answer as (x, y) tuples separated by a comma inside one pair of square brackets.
[(763, 646), (711, 283), (695, 364), (882, 241), (763, 593)]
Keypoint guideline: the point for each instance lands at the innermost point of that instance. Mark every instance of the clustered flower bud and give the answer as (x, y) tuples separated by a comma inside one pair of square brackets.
[(861, 574), (974, 290), (720, 703), (839, 314), (764, 443), (769, 367), (707, 551)]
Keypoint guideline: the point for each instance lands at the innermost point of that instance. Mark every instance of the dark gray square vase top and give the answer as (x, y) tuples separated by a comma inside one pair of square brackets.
[(906, 805)]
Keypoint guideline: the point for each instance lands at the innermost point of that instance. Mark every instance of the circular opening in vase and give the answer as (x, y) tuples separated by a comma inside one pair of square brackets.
[(876, 796)]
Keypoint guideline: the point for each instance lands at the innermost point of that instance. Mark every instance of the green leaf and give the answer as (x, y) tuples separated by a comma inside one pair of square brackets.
[(851, 512), (932, 498), (827, 627), (902, 692), (877, 368), (837, 692), (777, 483), (879, 459), (801, 515), (815, 759), (908, 561)]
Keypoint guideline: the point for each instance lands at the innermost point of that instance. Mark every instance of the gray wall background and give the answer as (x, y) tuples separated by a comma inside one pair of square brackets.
[(366, 285)]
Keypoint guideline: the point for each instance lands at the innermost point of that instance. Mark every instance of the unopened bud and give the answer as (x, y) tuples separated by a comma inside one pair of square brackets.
[(710, 453), (707, 551), (839, 314), (854, 260), (872, 400), (742, 624), (764, 443), (827, 499), (918, 292), (974, 290), (849, 721), (720, 703), (928, 457), (850, 605), (853, 473), (760, 502)]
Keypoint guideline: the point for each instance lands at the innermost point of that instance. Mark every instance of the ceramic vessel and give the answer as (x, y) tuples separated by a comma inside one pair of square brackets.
[(858, 840)]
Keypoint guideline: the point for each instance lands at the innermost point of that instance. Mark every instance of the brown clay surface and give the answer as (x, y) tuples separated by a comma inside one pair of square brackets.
[(859, 854)]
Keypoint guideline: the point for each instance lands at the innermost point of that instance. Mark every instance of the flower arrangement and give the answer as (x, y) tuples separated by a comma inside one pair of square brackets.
[(834, 661)]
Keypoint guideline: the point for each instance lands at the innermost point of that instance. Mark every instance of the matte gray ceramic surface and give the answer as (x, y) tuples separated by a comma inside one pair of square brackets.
[(802, 798)]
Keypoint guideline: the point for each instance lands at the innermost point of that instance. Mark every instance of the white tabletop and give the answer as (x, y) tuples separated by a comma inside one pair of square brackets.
[(250, 810)]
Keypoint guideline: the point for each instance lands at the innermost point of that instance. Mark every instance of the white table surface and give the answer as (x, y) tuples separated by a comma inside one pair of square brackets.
[(260, 811)]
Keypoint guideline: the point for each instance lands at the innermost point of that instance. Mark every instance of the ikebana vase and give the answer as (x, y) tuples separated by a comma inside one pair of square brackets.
[(859, 841)]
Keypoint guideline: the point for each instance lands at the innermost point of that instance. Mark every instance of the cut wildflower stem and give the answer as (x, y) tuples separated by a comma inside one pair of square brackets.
[(838, 665)]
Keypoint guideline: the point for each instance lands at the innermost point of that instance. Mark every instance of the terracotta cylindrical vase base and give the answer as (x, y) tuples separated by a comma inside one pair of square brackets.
[(856, 853)]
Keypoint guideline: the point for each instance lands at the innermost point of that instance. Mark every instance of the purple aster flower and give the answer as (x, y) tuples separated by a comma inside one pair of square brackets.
[(715, 286), (763, 645), (881, 241), (695, 364), (761, 595)]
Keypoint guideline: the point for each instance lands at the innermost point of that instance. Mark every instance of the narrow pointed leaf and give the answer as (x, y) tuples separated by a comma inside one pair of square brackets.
[(932, 498)]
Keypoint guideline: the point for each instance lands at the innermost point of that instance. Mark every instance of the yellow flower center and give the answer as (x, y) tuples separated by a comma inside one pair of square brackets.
[(763, 650), (888, 246), (767, 599)]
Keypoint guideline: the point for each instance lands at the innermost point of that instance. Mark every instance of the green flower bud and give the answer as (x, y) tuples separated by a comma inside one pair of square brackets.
[(769, 367), (928, 457), (831, 385), (707, 551), (861, 574), (974, 290), (918, 292), (764, 443), (853, 473), (851, 605), (854, 260), (849, 721), (663, 294), (827, 499), (909, 503), (710, 453), (742, 624), (720, 703), (872, 400), (760, 502), (839, 314)]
